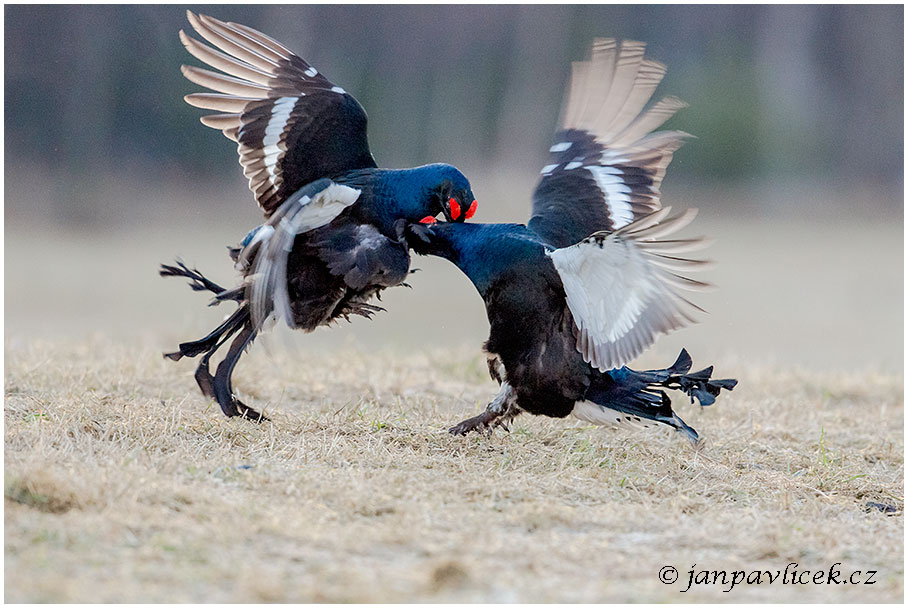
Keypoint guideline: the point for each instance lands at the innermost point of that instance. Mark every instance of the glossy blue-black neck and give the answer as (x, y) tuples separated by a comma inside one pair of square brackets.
[(411, 194), (483, 252)]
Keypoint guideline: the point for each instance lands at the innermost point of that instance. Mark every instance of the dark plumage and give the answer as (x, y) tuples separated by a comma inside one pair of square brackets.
[(334, 231), (590, 282)]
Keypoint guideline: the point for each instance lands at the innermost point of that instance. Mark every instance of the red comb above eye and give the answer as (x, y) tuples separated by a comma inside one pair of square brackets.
[(455, 209), (471, 210), (428, 220)]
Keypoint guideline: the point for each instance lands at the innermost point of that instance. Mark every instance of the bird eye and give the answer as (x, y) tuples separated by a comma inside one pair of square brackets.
[(455, 209), (471, 210)]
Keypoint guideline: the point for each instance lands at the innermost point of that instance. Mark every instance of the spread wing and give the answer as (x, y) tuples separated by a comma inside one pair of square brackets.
[(623, 287), (606, 166), (291, 124), (266, 254)]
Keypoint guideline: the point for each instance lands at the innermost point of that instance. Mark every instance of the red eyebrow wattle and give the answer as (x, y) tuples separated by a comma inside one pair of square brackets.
[(472, 209), (428, 220), (455, 209)]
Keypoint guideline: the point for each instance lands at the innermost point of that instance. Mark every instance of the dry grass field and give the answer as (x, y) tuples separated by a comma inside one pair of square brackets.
[(123, 483)]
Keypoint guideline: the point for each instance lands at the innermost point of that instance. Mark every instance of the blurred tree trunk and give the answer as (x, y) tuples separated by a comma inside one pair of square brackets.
[(86, 105)]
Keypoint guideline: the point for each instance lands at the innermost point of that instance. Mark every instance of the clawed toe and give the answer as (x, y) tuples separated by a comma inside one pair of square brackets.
[(483, 422), (464, 427), (248, 413)]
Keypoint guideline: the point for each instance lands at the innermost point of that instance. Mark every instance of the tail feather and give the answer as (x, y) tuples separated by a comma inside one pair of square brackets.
[(683, 428), (675, 421), (213, 340), (700, 385), (198, 282), (218, 386), (656, 376), (682, 363), (641, 394)]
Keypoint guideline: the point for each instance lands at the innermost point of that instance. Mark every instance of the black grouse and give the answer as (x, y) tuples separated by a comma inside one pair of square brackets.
[(334, 231), (590, 281)]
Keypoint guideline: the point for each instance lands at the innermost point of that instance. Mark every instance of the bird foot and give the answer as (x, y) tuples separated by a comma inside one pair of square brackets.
[(484, 422), (246, 412), (361, 309)]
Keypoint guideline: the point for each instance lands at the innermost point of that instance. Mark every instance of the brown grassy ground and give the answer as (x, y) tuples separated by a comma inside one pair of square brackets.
[(123, 484)]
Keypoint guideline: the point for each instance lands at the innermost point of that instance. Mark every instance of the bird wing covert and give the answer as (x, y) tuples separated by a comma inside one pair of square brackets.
[(622, 287), (310, 208)]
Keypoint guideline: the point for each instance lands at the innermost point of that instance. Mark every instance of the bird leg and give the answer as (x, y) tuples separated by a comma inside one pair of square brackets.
[(499, 412), (221, 385)]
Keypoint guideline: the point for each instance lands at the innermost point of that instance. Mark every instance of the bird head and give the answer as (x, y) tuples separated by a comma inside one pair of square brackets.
[(450, 195)]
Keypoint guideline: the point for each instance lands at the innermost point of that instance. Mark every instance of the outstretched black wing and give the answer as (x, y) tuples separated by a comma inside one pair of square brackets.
[(292, 125), (606, 165)]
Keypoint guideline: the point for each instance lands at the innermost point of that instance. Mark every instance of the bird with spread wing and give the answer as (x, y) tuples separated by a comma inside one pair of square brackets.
[(333, 235), (591, 280)]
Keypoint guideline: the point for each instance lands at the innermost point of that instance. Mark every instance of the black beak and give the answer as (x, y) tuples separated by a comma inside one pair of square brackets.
[(446, 209), (445, 196)]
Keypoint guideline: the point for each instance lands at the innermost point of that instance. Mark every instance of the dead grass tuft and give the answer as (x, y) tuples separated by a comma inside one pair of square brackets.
[(42, 491)]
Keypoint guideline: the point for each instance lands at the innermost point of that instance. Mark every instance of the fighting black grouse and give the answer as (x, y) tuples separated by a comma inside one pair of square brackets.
[(334, 231), (590, 281)]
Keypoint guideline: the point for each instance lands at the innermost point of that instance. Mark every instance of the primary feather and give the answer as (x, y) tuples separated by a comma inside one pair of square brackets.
[(606, 167), (276, 107)]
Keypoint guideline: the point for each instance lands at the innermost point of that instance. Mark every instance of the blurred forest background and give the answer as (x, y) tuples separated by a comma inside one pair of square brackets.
[(797, 110), (776, 92)]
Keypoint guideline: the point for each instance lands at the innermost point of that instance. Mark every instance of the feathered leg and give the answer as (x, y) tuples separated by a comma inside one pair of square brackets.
[(221, 384)]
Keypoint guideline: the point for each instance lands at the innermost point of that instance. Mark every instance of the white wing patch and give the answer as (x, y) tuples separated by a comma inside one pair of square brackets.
[(616, 194), (246, 256), (608, 131), (268, 281), (622, 287), (274, 132)]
